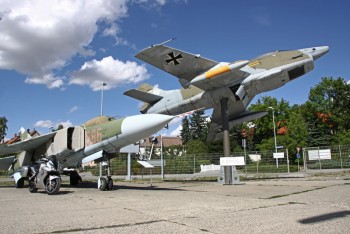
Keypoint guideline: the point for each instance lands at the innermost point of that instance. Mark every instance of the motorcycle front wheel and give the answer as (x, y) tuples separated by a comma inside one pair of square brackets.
[(32, 188), (52, 187)]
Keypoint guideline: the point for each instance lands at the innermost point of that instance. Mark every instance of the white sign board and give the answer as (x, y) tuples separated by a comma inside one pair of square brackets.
[(145, 164), (278, 155), (156, 163), (132, 148), (319, 154), (255, 157), (232, 161)]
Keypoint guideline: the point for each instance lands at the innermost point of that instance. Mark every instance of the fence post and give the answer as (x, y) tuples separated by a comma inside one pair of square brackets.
[(341, 161), (287, 160), (319, 158), (194, 163), (304, 159)]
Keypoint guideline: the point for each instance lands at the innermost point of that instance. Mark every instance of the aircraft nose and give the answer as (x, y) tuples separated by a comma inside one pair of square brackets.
[(317, 52), (140, 126)]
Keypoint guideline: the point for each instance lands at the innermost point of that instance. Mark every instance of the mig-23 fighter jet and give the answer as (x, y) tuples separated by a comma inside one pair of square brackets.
[(99, 139), (205, 82)]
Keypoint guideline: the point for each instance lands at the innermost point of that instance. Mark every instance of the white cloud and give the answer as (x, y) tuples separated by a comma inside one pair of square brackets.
[(43, 124), (49, 124), (111, 71), (48, 79), (73, 109), (37, 37), (65, 124), (176, 132)]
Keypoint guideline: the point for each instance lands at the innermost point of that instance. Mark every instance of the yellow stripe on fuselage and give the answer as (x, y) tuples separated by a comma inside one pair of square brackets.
[(216, 71), (252, 64)]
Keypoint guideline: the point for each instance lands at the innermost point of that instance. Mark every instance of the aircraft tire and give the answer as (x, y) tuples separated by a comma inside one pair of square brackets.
[(102, 184), (32, 187), (20, 183), (53, 187), (110, 184)]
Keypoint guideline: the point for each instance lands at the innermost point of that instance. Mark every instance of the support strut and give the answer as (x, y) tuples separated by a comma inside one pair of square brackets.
[(226, 140)]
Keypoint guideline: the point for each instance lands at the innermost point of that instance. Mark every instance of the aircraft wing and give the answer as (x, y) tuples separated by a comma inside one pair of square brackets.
[(143, 96), (179, 63), (237, 114), (25, 145)]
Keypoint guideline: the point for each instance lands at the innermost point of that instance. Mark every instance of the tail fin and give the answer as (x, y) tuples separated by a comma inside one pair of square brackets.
[(144, 93)]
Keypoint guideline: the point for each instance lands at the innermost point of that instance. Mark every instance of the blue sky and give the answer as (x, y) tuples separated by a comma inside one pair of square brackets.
[(55, 54)]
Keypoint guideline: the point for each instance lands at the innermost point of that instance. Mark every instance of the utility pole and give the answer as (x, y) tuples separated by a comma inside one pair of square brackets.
[(103, 84), (274, 131)]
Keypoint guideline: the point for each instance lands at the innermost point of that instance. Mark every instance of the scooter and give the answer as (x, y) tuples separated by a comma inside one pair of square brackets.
[(44, 175)]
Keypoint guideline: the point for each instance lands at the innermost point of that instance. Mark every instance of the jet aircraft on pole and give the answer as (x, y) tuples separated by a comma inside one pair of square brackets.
[(228, 88), (205, 82)]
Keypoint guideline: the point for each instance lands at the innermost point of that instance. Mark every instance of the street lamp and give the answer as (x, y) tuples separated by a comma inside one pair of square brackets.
[(274, 131), (274, 127), (103, 84)]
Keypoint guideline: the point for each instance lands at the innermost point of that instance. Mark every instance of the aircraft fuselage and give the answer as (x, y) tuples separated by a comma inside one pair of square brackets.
[(262, 74)]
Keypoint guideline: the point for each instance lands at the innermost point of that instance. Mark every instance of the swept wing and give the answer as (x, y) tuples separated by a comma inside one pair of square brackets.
[(26, 145), (179, 63), (193, 69)]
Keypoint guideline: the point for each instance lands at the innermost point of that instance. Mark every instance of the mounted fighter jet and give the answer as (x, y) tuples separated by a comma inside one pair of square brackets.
[(98, 139), (205, 82)]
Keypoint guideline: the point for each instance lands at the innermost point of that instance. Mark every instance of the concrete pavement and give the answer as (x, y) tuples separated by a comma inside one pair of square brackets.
[(290, 205)]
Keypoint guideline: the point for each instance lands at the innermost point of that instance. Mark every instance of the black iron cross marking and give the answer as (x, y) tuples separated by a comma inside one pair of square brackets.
[(173, 58)]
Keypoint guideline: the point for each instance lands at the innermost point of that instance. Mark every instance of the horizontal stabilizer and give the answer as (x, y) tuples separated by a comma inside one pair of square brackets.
[(215, 131), (143, 96), (247, 116)]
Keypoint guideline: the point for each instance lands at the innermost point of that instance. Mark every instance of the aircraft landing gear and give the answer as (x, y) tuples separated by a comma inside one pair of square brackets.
[(74, 178), (105, 183)]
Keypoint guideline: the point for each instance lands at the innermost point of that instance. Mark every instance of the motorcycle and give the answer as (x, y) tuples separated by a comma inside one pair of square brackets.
[(44, 175)]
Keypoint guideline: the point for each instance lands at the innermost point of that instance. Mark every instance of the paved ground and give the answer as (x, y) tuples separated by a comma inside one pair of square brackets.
[(291, 205)]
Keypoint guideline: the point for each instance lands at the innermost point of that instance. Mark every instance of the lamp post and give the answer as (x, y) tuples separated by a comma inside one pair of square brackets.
[(274, 131), (103, 84)]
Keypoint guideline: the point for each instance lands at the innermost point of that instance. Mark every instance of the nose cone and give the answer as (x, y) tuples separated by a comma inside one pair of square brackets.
[(136, 127), (316, 52)]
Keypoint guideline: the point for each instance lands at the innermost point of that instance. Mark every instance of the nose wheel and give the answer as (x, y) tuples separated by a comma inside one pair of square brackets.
[(105, 183)]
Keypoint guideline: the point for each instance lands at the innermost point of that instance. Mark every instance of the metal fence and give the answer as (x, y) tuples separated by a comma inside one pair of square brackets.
[(256, 162), (311, 158), (331, 157)]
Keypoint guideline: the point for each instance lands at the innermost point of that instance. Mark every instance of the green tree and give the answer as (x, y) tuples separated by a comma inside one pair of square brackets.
[(327, 111), (194, 128), (185, 131), (198, 126), (196, 147), (296, 126), (3, 128), (264, 126), (285, 141), (342, 138)]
